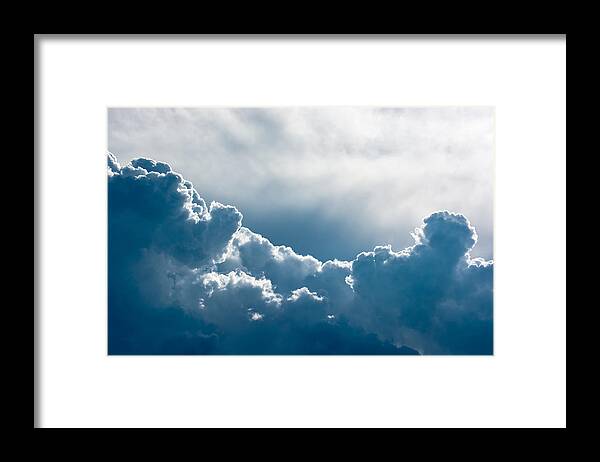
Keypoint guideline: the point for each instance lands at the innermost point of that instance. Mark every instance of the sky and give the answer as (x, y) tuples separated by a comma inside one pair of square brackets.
[(300, 231), (345, 178)]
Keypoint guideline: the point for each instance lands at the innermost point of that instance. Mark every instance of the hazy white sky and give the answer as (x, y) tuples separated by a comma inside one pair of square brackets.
[(329, 181)]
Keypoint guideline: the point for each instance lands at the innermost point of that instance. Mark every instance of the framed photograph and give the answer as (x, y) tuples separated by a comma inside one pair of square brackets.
[(241, 231)]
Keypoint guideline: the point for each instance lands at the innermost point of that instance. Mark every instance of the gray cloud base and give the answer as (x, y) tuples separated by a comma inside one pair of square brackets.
[(187, 278)]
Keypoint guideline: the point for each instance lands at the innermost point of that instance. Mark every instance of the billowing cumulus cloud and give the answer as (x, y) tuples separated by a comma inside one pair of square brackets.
[(187, 278), (256, 255), (419, 294), (153, 207)]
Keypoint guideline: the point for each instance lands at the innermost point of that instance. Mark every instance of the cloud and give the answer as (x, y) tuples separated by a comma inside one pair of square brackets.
[(154, 207), (284, 267), (299, 162), (419, 294), (187, 278)]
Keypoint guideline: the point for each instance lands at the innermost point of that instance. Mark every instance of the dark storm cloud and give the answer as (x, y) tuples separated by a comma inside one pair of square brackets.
[(152, 207), (419, 294), (186, 278)]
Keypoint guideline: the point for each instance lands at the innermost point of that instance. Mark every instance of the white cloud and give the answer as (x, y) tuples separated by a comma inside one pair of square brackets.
[(369, 173)]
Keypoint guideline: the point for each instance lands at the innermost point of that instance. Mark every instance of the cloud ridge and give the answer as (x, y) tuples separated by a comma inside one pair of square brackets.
[(187, 278)]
